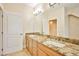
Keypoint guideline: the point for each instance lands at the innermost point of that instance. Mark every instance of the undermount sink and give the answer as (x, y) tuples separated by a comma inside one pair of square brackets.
[(54, 43)]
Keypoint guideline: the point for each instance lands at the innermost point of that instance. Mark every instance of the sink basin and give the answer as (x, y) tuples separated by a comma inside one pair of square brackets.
[(54, 43)]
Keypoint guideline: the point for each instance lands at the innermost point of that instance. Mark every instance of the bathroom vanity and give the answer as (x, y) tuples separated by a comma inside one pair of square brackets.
[(44, 45)]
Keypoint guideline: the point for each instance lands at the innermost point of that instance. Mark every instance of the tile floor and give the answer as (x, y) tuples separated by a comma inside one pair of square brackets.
[(23, 52)]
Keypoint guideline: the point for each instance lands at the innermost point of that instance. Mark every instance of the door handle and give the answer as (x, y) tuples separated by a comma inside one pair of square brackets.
[(21, 33)]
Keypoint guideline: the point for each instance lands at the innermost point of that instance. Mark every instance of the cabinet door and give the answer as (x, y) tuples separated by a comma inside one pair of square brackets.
[(35, 48), (41, 53), (48, 51), (30, 45), (26, 43)]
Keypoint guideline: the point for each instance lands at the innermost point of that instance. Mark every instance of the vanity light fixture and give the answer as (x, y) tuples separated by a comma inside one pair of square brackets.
[(38, 11)]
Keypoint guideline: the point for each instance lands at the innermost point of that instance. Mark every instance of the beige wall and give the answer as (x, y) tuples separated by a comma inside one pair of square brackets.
[(61, 14), (72, 11), (14, 8), (57, 13), (31, 23)]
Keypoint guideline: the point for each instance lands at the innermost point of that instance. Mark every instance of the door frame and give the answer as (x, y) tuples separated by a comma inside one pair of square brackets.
[(50, 23), (1, 9)]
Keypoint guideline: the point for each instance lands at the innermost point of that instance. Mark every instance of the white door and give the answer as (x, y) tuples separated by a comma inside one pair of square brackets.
[(13, 33), (0, 32)]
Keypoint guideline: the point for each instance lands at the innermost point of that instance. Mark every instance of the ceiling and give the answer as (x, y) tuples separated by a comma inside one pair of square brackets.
[(46, 6), (43, 5), (33, 6)]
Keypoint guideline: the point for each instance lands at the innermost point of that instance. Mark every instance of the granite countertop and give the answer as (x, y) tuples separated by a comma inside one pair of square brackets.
[(61, 45), (65, 48)]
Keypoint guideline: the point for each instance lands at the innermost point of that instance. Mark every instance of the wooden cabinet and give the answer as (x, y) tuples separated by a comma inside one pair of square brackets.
[(41, 53), (38, 49), (34, 48), (29, 45)]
